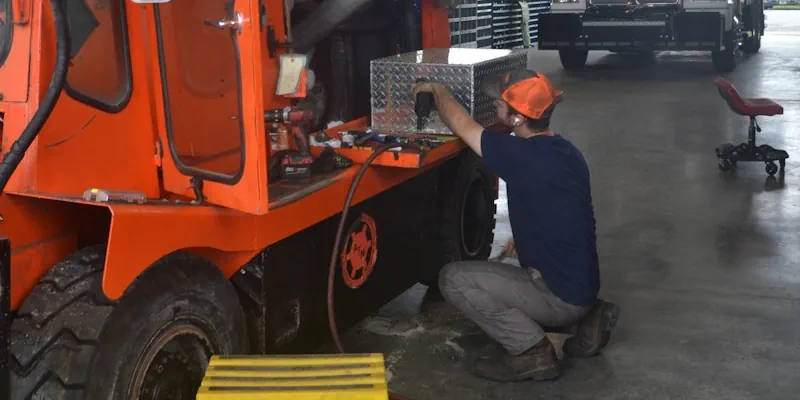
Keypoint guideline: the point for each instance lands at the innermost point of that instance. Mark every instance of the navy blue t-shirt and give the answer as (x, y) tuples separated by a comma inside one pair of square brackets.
[(550, 209)]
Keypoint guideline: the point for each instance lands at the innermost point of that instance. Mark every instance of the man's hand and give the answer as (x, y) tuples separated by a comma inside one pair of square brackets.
[(429, 87), (510, 250), (453, 114)]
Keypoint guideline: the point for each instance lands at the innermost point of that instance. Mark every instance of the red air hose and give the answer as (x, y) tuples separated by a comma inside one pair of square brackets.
[(338, 241)]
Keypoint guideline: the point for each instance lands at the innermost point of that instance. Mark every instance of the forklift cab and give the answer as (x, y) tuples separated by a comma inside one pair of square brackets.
[(187, 83), (189, 73)]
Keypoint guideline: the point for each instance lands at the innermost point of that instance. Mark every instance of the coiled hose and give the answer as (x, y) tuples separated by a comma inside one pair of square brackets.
[(338, 241), (12, 159)]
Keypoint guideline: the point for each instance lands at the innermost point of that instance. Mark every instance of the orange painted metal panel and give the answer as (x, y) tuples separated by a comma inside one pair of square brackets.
[(406, 158), (215, 231), (246, 190), (165, 229), (435, 26), (41, 232), (21, 10)]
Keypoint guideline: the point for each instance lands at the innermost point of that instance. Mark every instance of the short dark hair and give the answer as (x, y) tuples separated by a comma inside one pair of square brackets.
[(539, 124)]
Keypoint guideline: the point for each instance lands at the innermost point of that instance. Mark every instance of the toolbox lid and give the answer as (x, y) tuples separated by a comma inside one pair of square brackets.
[(452, 56)]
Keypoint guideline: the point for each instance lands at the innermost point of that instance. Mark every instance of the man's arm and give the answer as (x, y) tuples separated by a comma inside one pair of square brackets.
[(454, 115)]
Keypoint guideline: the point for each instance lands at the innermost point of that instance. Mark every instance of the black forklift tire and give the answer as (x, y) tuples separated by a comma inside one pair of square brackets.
[(69, 341), (752, 44), (465, 213), (725, 60), (572, 59)]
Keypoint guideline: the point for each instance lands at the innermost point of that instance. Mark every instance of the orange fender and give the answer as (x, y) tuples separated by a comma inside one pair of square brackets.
[(142, 234)]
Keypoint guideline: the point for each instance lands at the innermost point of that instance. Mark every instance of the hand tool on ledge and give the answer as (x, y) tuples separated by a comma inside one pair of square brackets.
[(294, 166), (370, 134), (423, 105)]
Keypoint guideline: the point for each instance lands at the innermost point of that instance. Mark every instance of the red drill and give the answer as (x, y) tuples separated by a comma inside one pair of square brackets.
[(294, 165)]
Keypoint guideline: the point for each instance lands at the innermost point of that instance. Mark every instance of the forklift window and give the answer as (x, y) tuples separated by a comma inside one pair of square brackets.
[(100, 72), (201, 88), (5, 30)]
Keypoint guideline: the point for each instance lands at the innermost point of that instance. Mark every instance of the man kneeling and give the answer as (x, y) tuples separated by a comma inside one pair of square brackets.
[(553, 226)]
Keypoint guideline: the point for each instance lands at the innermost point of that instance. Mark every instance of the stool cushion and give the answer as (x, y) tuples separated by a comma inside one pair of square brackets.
[(743, 106)]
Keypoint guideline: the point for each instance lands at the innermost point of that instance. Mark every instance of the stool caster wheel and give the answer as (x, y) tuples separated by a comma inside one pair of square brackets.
[(725, 165), (772, 168), (724, 149)]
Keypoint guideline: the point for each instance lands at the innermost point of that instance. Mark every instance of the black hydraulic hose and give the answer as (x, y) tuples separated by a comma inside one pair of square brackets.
[(12, 159), (337, 242)]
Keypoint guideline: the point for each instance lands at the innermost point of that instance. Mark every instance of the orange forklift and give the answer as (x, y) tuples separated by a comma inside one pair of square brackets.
[(181, 198)]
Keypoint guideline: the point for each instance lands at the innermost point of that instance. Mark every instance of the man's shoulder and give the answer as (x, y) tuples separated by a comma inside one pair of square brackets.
[(568, 148), (507, 142), (561, 141)]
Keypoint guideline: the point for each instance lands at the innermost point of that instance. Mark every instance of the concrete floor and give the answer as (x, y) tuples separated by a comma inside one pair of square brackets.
[(706, 266)]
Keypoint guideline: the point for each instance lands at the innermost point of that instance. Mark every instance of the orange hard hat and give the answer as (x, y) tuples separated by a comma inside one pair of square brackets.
[(529, 92)]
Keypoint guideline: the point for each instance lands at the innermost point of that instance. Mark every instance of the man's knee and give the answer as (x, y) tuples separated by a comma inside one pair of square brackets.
[(457, 276), (446, 276)]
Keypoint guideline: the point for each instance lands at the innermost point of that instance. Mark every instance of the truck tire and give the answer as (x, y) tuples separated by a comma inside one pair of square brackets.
[(68, 341), (752, 44), (755, 18), (725, 60), (572, 59), (466, 212)]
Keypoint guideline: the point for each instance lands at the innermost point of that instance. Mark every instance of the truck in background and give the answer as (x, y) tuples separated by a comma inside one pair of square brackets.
[(573, 27)]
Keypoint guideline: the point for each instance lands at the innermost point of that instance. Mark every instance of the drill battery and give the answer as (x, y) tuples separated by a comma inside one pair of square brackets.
[(296, 166)]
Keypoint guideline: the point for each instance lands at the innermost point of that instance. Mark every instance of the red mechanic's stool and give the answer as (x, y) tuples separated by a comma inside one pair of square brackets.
[(728, 154)]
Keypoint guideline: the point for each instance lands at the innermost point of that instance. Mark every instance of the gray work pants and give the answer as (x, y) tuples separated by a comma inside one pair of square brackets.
[(508, 302)]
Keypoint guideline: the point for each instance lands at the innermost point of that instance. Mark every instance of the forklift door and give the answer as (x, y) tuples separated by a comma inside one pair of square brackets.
[(210, 66)]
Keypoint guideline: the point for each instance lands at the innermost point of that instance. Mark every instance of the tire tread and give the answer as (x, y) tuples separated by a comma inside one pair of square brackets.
[(459, 170), (55, 335)]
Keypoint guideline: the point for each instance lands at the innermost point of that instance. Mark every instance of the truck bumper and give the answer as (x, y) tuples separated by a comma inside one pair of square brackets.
[(673, 30)]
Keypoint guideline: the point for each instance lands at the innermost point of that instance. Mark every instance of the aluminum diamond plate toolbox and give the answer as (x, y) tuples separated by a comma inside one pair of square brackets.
[(461, 70)]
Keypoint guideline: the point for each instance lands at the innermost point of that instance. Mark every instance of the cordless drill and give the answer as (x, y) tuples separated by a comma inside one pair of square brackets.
[(423, 104), (295, 165)]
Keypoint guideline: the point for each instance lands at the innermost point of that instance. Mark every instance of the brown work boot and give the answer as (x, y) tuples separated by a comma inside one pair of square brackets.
[(537, 363), (594, 330)]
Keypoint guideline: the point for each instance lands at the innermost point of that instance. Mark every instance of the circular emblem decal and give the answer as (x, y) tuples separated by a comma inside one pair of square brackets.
[(360, 252)]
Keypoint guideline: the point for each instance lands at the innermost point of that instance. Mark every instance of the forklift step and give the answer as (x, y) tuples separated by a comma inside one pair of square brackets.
[(295, 377)]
